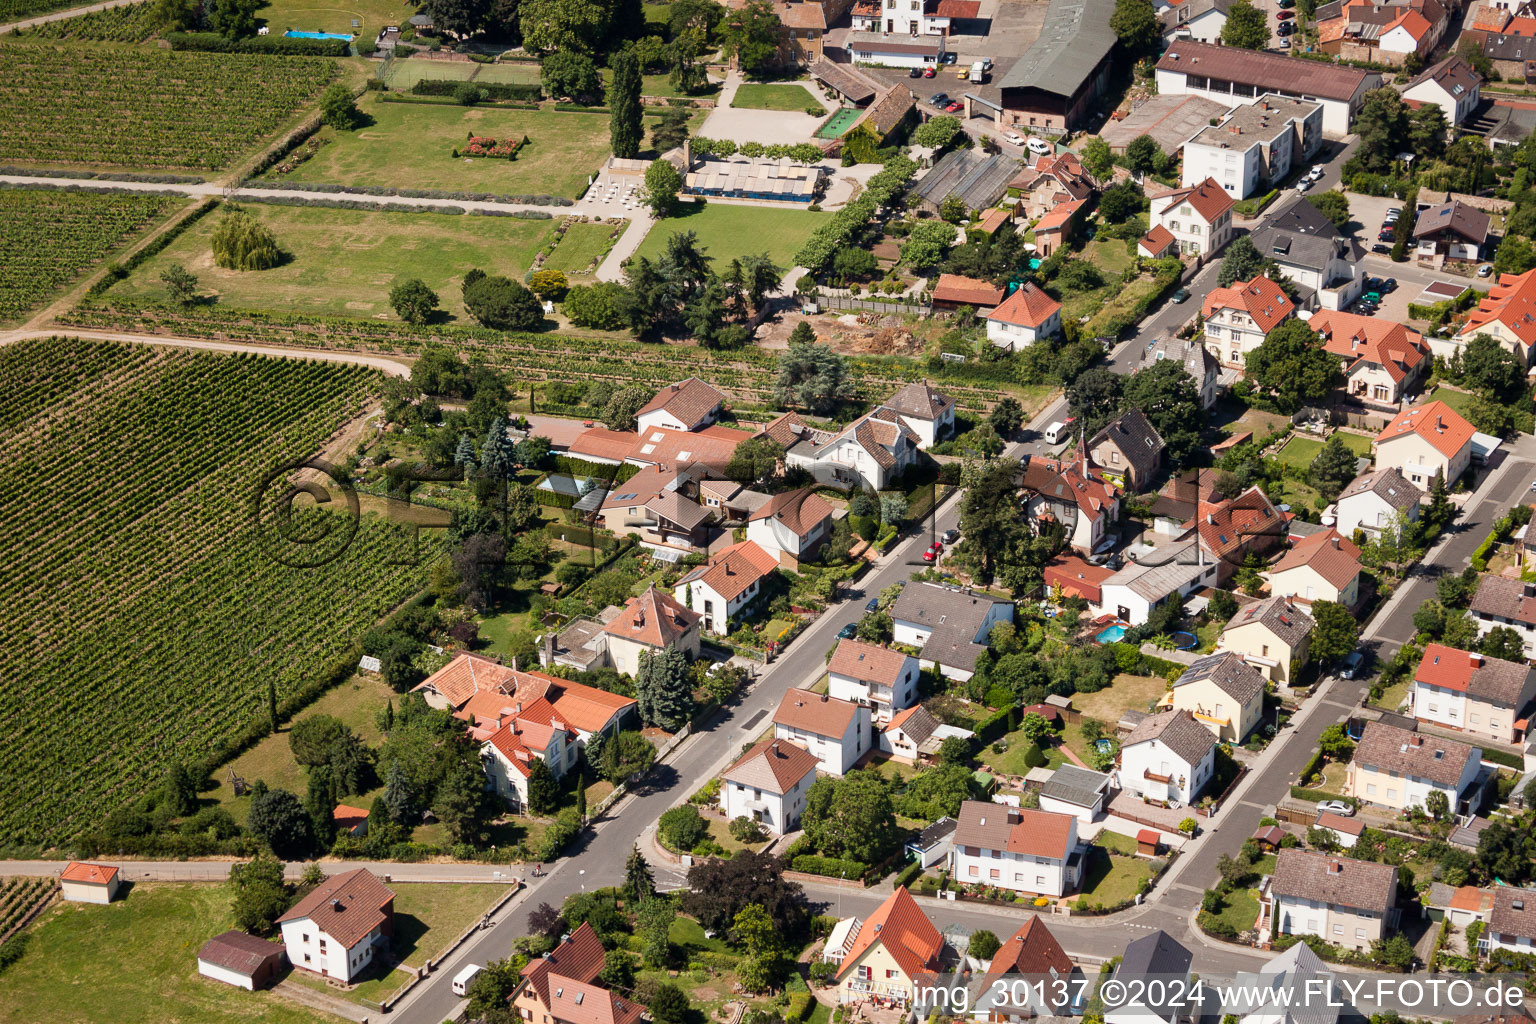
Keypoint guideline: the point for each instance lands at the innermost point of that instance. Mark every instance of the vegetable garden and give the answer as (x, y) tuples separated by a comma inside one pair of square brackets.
[(47, 237), (146, 107), (147, 616)]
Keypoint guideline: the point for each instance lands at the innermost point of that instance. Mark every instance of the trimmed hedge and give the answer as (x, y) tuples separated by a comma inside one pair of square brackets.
[(276, 46), (1503, 758), (833, 867), (117, 271), (574, 466), (993, 727), (404, 193), (491, 90), (153, 179), (908, 875)]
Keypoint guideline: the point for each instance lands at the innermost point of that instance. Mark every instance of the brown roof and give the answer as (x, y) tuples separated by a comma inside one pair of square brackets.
[(1033, 833), (1268, 71), (1232, 675), (786, 429), (1230, 528), (866, 662), (906, 933), (1208, 198), (801, 15), (602, 443), (236, 951), (468, 674), (654, 619), (579, 956), (800, 510), (962, 9), (88, 874), (1449, 73), (713, 446), (733, 570), (1341, 881), (1387, 748), (1456, 217), (1514, 912), (582, 1002), (1480, 677), (346, 907), (967, 290), (1504, 598), (1288, 623), (1030, 950), (917, 722), (1261, 298), (773, 766), (1028, 306), (691, 400), (919, 401), (1157, 240), (1071, 483), (1179, 732), (845, 79), (897, 102), (1339, 823), (815, 713), (1331, 555)]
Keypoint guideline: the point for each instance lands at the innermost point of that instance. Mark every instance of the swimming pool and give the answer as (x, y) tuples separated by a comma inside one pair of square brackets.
[(565, 483), (1034, 263), (294, 34), (1111, 635)]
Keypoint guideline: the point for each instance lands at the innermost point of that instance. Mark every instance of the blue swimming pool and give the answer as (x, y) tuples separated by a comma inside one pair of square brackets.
[(294, 34), (1034, 263), (1112, 635)]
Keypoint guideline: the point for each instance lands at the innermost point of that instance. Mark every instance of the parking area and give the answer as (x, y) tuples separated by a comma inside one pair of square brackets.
[(1272, 11)]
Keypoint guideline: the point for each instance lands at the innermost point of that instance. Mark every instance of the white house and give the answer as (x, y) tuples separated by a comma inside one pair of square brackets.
[(1012, 848), (338, 928), (1254, 147), (649, 624), (1168, 757), (240, 959), (1311, 251), (1452, 85), (1383, 361), (1165, 575), (1198, 216), (80, 882), (690, 405), (731, 580), (1201, 20), (1374, 500), (870, 452), (928, 414), (1512, 921), (791, 526), (1024, 318), (1427, 441), (1350, 903), (1078, 498), (836, 731), (509, 754), (768, 784), (949, 625), (879, 677), (1500, 601), (1398, 769), (1472, 693), (1238, 318)]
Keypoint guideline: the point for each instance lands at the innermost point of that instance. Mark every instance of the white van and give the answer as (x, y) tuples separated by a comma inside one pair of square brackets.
[(461, 981), (1056, 433)]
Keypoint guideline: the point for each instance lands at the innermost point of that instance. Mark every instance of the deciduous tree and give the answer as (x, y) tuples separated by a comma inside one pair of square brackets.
[(413, 301), (1292, 366), (569, 73), (1247, 27)]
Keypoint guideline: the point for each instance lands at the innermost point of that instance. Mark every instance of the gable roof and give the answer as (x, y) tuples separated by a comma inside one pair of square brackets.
[(521, 741), (1504, 598), (866, 662), (917, 722), (1368, 339), (1288, 623), (907, 934), (346, 907), (815, 713), (1072, 483), (1388, 484), (1157, 240), (656, 488), (1266, 71), (1151, 956), (1231, 674), (579, 956), (1056, 217), (1299, 234), (654, 619), (889, 110), (1341, 881), (1074, 40), (582, 1002), (1456, 217), (237, 951), (967, 290), (1390, 749), (1063, 170), (787, 429), (1454, 74), (731, 571), (919, 401), (773, 766), (1030, 950), (952, 617), (1262, 299), (854, 85), (1328, 553), (1028, 306), (800, 510), (602, 443), (1511, 301), (1179, 731), (1478, 676), (1436, 422), (1077, 577), (1233, 526), (466, 675), (1514, 912), (690, 400), (1024, 831), (1136, 437), (1208, 199), (1074, 785)]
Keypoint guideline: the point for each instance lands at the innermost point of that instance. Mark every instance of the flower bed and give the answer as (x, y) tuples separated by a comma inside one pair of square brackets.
[(485, 145)]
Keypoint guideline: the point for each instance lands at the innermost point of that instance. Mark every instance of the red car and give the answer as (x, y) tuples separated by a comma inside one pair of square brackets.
[(954, 105), (937, 545), (928, 72), (1286, 15), (930, 555)]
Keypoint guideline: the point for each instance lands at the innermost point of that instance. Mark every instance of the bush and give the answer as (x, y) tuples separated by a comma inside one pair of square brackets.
[(596, 306), (908, 875), (682, 828), (744, 830), (278, 46), (831, 867), (241, 243)]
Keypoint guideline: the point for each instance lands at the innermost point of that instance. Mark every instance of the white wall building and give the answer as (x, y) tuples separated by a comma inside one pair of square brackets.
[(1374, 500), (1029, 851), (1168, 757), (882, 678), (1255, 146), (836, 731), (338, 928), (768, 784)]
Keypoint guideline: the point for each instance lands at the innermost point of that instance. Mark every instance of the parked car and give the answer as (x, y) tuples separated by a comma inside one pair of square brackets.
[(1389, 286), (1337, 807), (1040, 146), (915, 73), (1316, 172), (1285, 28), (1382, 248), (938, 99), (954, 106), (929, 72), (937, 546), (872, 605), (1285, 42), (950, 536), (847, 632), (1394, 213), (1285, 4), (963, 72), (1352, 664), (1182, 295), (1485, 270), (1303, 184), (1286, 15), (930, 555), (1015, 138)]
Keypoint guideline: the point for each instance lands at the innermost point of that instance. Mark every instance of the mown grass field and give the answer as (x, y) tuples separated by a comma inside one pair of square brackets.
[(309, 16), (772, 96), (726, 232), (580, 246), (344, 262)]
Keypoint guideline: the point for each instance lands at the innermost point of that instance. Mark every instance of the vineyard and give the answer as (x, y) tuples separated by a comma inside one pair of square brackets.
[(48, 237), (20, 10), (146, 107), (131, 24), (19, 897), (147, 614)]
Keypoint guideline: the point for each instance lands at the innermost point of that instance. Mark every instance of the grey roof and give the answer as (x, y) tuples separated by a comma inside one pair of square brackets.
[(1282, 618), (1389, 749), (1250, 124), (919, 401), (979, 180), (1329, 11), (1497, 47), (953, 618), (1298, 528), (1505, 598), (1137, 439), (918, 725), (1453, 74), (1154, 955), (1514, 912), (1231, 674), (1300, 235), (934, 834), (1456, 216), (1341, 881), (1074, 40), (1282, 987), (1179, 731), (1169, 16), (1388, 484), (1074, 785), (1156, 580)]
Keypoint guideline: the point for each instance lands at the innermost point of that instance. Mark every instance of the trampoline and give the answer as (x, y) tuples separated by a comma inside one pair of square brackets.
[(838, 123), (1184, 640)]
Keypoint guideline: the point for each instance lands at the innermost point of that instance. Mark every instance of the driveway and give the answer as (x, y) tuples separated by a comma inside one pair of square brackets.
[(766, 126)]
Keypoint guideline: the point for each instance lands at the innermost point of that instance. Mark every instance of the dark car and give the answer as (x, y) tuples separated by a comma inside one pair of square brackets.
[(1389, 285), (1182, 295), (938, 99), (950, 536), (1381, 247), (847, 632), (1285, 28), (872, 605), (915, 73)]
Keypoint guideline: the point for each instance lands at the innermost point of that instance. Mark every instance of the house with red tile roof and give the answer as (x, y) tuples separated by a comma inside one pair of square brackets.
[(510, 752), (897, 946), (732, 579), (955, 290), (768, 784), (1473, 693), (80, 882), (338, 929), (651, 622), (791, 526), (1076, 577), (881, 678), (1049, 182), (1384, 33), (1383, 360), (485, 693), (1238, 318), (835, 731), (1323, 566), (548, 985), (1057, 226), (1031, 951), (350, 821), (1507, 314), (1029, 851), (1425, 442), (1157, 243), (1025, 317), (657, 507), (688, 405), (603, 446), (1229, 529), (1073, 495), (1199, 216)]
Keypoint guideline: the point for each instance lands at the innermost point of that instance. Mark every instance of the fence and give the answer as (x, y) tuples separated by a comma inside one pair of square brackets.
[(448, 950), (852, 303)]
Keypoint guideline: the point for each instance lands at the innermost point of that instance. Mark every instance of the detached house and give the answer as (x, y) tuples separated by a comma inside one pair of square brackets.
[(1196, 360), (1168, 758), (1238, 318), (1311, 251), (835, 731), (1452, 85), (690, 405), (1383, 360), (651, 622), (883, 679), (768, 784), (1032, 951), (1272, 635), (1158, 955), (870, 452), (1128, 447), (1049, 182), (914, 735), (1450, 232), (1071, 495), (576, 960), (1472, 693), (731, 580), (1350, 903), (486, 694), (1223, 692), (1199, 217), (1512, 921), (1019, 849), (656, 506), (1229, 530), (338, 928), (1426, 442), (512, 749), (1500, 601), (791, 526), (949, 625), (1508, 313), (928, 414), (1373, 501), (1024, 318), (896, 947), (1322, 566), (1398, 769)]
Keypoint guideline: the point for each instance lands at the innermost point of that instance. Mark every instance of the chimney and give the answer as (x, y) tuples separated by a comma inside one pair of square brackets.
[(1530, 589), (1475, 659), (336, 906), (687, 155), (514, 663), (1210, 519), (1336, 539), (1335, 868), (1235, 129)]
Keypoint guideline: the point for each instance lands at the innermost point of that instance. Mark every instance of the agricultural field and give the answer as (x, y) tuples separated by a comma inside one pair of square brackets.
[(18, 897), (134, 962), (410, 145), (726, 231), (344, 262), (48, 237), (133, 23), (21, 10), (154, 586), (147, 107)]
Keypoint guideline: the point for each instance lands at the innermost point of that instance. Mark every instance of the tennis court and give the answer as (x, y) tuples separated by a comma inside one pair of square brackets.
[(839, 123)]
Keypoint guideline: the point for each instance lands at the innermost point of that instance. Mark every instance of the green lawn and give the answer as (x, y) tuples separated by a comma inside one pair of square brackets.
[(1114, 879), (776, 96), (308, 16), (344, 262), (1393, 696), (1114, 842), (403, 74), (661, 85), (1360, 444), (1457, 400), (580, 246), (1299, 452), (134, 962), (727, 231), (410, 145), (1241, 910), (1011, 761)]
